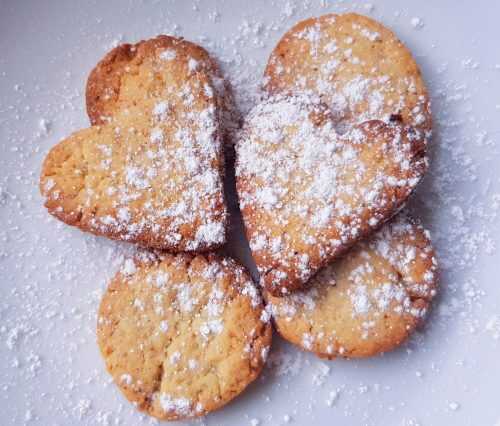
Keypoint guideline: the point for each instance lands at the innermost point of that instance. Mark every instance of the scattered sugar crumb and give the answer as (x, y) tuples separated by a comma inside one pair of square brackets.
[(416, 22), (332, 398)]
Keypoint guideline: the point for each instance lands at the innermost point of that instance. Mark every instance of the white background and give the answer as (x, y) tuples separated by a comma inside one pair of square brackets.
[(51, 276)]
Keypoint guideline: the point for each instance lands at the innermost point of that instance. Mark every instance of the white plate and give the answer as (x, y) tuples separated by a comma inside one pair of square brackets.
[(52, 275)]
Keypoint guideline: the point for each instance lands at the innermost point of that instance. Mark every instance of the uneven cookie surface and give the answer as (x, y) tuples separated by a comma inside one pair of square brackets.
[(307, 193), (153, 173), (369, 301), (182, 335), (359, 67)]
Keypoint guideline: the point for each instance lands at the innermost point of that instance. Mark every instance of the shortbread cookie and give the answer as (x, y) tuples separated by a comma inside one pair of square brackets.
[(111, 85), (153, 174), (182, 335), (369, 301), (307, 193), (359, 67)]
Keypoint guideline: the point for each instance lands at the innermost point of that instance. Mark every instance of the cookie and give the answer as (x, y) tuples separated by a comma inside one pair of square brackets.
[(110, 86), (307, 193), (367, 302), (360, 68), (182, 335), (153, 173)]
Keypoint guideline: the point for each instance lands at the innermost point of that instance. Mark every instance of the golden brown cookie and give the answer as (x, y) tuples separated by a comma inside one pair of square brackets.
[(367, 302), (360, 68), (307, 193), (182, 335), (153, 173)]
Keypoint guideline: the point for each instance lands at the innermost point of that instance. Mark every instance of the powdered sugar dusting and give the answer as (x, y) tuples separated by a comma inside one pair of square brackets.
[(54, 275)]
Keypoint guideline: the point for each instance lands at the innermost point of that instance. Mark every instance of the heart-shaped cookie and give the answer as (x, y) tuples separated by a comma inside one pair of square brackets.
[(151, 171), (361, 70), (307, 193)]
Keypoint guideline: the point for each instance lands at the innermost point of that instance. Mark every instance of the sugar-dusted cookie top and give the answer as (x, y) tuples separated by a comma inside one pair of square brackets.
[(367, 302), (360, 68), (307, 193), (182, 335), (151, 171)]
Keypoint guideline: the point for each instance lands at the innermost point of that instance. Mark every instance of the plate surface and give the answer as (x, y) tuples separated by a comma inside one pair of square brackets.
[(52, 275)]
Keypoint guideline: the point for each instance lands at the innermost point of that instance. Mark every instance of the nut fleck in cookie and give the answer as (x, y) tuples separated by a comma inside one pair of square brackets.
[(367, 302), (360, 68), (151, 171), (182, 335), (307, 193)]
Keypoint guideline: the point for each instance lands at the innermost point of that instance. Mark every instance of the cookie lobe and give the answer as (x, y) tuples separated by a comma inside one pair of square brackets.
[(111, 83), (182, 335), (369, 301), (361, 70)]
